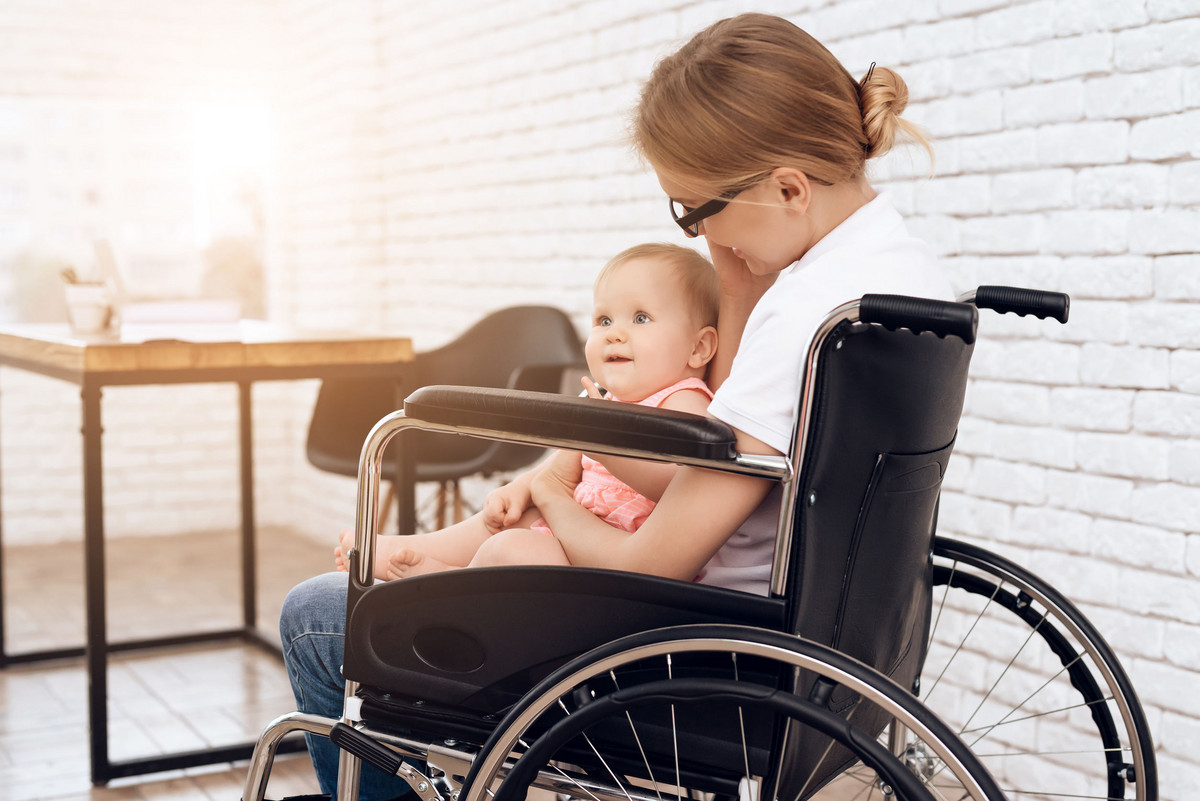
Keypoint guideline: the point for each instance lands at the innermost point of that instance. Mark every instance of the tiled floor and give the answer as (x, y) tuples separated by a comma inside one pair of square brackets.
[(161, 700)]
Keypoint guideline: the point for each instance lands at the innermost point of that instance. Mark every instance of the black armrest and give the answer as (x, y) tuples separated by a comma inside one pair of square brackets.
[(586, 420)]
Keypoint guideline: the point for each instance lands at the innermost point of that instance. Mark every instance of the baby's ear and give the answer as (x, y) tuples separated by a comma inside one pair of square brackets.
[(705, 347)]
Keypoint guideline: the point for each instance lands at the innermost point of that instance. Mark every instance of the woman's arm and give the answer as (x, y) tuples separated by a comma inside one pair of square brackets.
[(699, 511), (651, 478)]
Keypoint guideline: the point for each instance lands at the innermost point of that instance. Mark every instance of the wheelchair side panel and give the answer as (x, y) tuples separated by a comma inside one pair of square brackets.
[(477, 640)]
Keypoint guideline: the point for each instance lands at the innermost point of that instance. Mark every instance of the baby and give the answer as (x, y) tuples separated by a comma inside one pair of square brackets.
[(653, 334)]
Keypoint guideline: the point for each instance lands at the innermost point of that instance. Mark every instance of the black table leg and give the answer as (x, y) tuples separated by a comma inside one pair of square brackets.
[(3, 650), (94, 583), (246, 467), (405, 474)]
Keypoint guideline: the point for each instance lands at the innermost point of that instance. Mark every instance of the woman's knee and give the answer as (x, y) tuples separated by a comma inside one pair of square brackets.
[(316, 604)]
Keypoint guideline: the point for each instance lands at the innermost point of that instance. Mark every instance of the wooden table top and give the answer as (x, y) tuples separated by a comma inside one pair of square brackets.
[(247, 345)]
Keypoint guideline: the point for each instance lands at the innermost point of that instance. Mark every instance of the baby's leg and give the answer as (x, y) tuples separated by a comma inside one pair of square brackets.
[(447, 549), (453, 545), (520, 546), (407, 562)]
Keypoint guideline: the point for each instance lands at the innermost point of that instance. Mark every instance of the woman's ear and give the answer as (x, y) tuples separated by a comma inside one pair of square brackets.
[(792, 187), (705, 347)]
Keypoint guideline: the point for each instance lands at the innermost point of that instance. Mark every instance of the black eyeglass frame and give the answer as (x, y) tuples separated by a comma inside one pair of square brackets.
[(690, 222)]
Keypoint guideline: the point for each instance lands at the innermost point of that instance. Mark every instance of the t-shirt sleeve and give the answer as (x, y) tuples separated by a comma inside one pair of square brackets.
[(762, 392)]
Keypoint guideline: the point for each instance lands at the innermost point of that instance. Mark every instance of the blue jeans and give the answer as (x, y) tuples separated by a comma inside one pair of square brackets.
[(312, 627)]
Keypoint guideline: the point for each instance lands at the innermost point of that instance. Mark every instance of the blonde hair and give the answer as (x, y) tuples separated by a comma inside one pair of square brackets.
[(696, 275), (753, 93)]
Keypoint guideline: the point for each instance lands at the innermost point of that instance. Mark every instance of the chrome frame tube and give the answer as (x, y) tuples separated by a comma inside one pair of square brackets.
[(847, 312), (263, 757)]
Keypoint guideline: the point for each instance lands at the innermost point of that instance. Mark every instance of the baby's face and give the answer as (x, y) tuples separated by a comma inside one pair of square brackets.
[(643, 330)]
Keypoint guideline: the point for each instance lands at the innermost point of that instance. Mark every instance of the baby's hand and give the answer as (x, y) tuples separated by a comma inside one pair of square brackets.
[(504, 507), (591, 387), (341, 553)]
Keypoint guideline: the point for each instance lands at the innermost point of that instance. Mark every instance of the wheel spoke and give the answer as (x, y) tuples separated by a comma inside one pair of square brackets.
[(675, 738), (1006, 719), (941, 605), (637, 739), (1080, 752), (1034, 716), (741, 723), (962, 642), (1004, 672)]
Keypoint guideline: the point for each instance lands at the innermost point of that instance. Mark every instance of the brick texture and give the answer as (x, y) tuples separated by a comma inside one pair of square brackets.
[(432, 166)]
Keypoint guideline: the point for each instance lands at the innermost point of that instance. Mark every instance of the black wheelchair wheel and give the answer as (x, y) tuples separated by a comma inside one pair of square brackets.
[(1028, 683), (714, 712)]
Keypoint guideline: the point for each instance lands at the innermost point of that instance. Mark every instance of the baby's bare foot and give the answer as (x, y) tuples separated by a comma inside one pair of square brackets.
[(406, 563)]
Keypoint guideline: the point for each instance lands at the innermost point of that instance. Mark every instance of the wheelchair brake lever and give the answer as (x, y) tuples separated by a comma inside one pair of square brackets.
[(367, 749)]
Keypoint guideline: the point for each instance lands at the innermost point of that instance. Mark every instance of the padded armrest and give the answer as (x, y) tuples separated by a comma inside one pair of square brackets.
[(585, 420)]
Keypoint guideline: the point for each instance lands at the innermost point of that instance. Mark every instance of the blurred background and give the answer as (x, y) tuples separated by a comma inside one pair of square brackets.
[(400, 167)]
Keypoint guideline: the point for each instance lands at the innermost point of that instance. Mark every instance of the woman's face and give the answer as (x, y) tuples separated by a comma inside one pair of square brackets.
[(761, 228)]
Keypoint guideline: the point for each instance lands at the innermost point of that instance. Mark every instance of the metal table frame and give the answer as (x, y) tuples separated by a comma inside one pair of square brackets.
[(244, 362)]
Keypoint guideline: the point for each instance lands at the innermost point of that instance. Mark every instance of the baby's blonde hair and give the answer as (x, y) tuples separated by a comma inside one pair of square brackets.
[(753, 93), (696, 275)]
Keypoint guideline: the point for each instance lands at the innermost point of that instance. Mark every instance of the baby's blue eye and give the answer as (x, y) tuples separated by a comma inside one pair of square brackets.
[(641, 317), (603, 321)]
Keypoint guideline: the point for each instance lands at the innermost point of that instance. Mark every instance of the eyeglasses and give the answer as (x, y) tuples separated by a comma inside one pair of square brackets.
[(689, 219)]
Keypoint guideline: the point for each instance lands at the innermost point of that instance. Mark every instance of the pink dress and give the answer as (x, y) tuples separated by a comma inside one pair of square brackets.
[(604, 495)]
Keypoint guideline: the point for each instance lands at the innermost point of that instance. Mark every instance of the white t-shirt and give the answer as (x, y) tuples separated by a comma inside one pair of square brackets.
[(871, 252)]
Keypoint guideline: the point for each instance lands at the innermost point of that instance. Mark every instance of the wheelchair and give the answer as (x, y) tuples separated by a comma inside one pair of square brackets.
[(886, 662)]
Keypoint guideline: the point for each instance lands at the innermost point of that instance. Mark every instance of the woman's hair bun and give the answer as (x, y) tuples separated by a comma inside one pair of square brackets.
[(883, 96)]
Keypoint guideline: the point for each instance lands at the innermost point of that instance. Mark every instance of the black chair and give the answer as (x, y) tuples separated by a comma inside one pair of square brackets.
[(521, 347), (606, 685)]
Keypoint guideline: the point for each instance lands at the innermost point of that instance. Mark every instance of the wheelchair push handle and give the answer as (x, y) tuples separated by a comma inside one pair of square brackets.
[(1038, 302), (940, 317)]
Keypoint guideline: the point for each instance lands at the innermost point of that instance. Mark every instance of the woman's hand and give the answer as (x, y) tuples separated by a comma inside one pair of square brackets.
[(736, 279), (740, 291), (557, 479)]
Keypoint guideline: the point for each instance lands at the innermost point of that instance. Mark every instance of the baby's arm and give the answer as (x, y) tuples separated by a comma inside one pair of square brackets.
[(651, 478)]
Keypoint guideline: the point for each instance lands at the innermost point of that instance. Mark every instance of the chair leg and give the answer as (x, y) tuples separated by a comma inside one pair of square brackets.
[(458, 502), (389, 500), (441, 505)]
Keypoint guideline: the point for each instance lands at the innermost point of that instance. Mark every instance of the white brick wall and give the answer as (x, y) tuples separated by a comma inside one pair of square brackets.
[(170, 453), (441, 160)]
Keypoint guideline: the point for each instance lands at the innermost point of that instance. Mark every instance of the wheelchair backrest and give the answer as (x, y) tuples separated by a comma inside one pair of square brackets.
[(883, 412)]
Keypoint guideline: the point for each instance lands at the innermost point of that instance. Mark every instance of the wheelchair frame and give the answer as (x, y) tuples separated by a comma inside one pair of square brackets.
[(1130, 750)]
